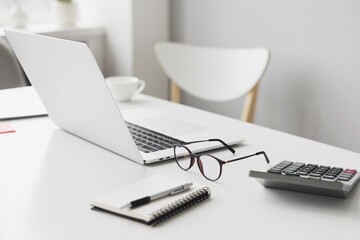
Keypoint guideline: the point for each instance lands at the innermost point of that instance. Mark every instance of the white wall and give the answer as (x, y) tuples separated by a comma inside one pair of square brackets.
[(132, 28), (116, 17), (312, 84), (150, 25)]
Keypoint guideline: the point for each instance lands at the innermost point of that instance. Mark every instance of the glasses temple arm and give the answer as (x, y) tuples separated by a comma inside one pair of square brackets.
[(223, 143), (255, 154), (214, 140), (266, 157)]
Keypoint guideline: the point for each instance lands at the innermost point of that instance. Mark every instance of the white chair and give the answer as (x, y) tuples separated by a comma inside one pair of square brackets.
[(214, 74), (11, 73)]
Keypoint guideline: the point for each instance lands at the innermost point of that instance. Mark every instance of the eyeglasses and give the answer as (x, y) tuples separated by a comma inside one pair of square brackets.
[(209, 165)]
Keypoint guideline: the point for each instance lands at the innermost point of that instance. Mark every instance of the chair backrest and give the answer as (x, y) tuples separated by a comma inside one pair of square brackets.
[(214, 74), (11, 73)]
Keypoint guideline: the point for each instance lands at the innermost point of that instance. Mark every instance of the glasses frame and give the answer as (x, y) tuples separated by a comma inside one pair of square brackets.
[(194, 156)]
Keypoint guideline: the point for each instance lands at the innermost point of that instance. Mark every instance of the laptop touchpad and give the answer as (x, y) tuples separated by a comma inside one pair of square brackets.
[(169, 125)]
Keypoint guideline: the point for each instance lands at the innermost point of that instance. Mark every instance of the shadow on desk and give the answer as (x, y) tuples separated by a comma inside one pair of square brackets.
[(318, 203)]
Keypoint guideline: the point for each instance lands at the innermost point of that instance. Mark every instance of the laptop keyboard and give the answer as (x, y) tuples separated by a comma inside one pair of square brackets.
[(148, 140)]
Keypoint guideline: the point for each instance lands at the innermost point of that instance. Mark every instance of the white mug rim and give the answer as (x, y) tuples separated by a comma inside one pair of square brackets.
[(123, 79)]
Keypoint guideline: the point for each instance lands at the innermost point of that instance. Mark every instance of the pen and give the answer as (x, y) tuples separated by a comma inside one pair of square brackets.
[(169, 192)]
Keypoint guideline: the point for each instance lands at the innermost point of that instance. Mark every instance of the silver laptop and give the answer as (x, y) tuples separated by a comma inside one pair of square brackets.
[(71, 86)]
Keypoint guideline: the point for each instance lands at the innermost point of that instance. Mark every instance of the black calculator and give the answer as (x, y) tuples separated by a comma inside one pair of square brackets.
[(309, 178)]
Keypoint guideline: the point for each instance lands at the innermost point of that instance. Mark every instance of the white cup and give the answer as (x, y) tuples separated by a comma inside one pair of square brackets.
[(123, 88)]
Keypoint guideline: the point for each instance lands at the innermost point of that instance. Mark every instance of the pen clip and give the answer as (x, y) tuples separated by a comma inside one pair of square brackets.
[(181, 189), (177, 191)]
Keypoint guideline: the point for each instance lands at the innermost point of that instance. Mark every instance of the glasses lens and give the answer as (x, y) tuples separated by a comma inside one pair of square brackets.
[(183, 157), (209, 167)]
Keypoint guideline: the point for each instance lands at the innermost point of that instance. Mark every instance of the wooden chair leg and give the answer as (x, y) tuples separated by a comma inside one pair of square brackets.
[(175, 93), (249, 105)]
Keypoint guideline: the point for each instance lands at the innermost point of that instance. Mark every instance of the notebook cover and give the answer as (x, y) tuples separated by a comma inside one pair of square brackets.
[(155, 211), (6, 128)]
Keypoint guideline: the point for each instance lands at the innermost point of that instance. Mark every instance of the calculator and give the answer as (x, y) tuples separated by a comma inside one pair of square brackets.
[(309, 178)]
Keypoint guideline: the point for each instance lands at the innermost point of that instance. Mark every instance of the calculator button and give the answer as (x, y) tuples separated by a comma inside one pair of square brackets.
[(283, 164), (332, 173), (339, 169), (322, 169), (312, 165), (286, 162), (346, 175), (329, 176), (278, 166), (292, 173), (277, 169), (288, 172), (328, 180), (343, 179), (272, 170), (291, 168), (299, 164), (315, 175)]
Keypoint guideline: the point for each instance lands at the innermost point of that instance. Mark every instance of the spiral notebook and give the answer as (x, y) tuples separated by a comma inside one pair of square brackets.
[(156, 211)]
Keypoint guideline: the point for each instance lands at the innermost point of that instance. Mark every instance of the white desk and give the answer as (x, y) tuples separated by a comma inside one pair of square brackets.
[(49, 177)]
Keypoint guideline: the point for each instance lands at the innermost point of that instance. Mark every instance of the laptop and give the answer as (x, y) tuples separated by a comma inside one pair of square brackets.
[(77, 98)]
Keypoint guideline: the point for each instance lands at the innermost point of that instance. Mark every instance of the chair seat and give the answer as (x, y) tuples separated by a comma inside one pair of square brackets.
[(214, 74)]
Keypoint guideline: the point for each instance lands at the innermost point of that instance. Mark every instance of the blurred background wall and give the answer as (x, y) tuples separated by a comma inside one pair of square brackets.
[(311, 87)]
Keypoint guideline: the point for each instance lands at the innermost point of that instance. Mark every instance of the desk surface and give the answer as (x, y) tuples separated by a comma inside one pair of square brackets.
[(48, 178)]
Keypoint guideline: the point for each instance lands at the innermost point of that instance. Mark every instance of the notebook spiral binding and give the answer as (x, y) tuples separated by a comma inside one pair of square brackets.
[(180, 205)]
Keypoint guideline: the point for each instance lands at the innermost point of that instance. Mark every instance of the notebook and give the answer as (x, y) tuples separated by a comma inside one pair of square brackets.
[(20, 102), (156, 211)]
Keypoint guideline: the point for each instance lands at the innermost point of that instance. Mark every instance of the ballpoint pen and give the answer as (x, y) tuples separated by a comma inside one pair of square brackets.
[(147, 199)]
